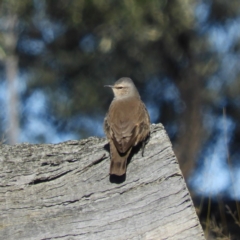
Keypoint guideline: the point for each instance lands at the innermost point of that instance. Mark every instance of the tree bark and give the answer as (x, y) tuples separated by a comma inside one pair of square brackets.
[(63, 191)]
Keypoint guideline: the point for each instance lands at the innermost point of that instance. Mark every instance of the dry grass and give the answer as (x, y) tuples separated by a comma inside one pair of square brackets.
[(220, 229), (215, 231)]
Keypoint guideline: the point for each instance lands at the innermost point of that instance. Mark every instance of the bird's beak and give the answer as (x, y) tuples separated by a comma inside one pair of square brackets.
[(111, 86)]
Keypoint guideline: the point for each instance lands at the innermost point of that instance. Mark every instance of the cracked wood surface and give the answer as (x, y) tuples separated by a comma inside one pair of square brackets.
[(63, 191)]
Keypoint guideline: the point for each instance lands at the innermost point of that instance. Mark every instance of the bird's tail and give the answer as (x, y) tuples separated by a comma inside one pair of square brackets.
[(118, 161)]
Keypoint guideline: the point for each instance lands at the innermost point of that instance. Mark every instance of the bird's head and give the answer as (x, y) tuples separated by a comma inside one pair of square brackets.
[(124, 87)]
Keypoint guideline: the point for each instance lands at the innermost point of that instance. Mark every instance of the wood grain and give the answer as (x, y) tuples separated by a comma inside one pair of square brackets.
[(63, 191)]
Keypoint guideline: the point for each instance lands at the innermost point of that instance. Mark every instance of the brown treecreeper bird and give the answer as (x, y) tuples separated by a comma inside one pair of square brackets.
[(126, 124)]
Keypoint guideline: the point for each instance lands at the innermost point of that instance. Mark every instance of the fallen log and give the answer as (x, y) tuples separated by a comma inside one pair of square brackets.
[(63, 191)]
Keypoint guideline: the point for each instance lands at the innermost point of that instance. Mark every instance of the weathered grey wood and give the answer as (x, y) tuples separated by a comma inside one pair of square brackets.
[(63, 191)]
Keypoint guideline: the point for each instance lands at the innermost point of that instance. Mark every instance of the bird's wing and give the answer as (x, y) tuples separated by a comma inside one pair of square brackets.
[(125, 122)]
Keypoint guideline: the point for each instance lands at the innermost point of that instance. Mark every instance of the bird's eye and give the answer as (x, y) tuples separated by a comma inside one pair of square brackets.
[(119, 87)]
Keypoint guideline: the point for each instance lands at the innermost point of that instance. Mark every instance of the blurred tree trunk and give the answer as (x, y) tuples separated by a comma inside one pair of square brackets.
[(189, 82), (191, 129), (11, 66)]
